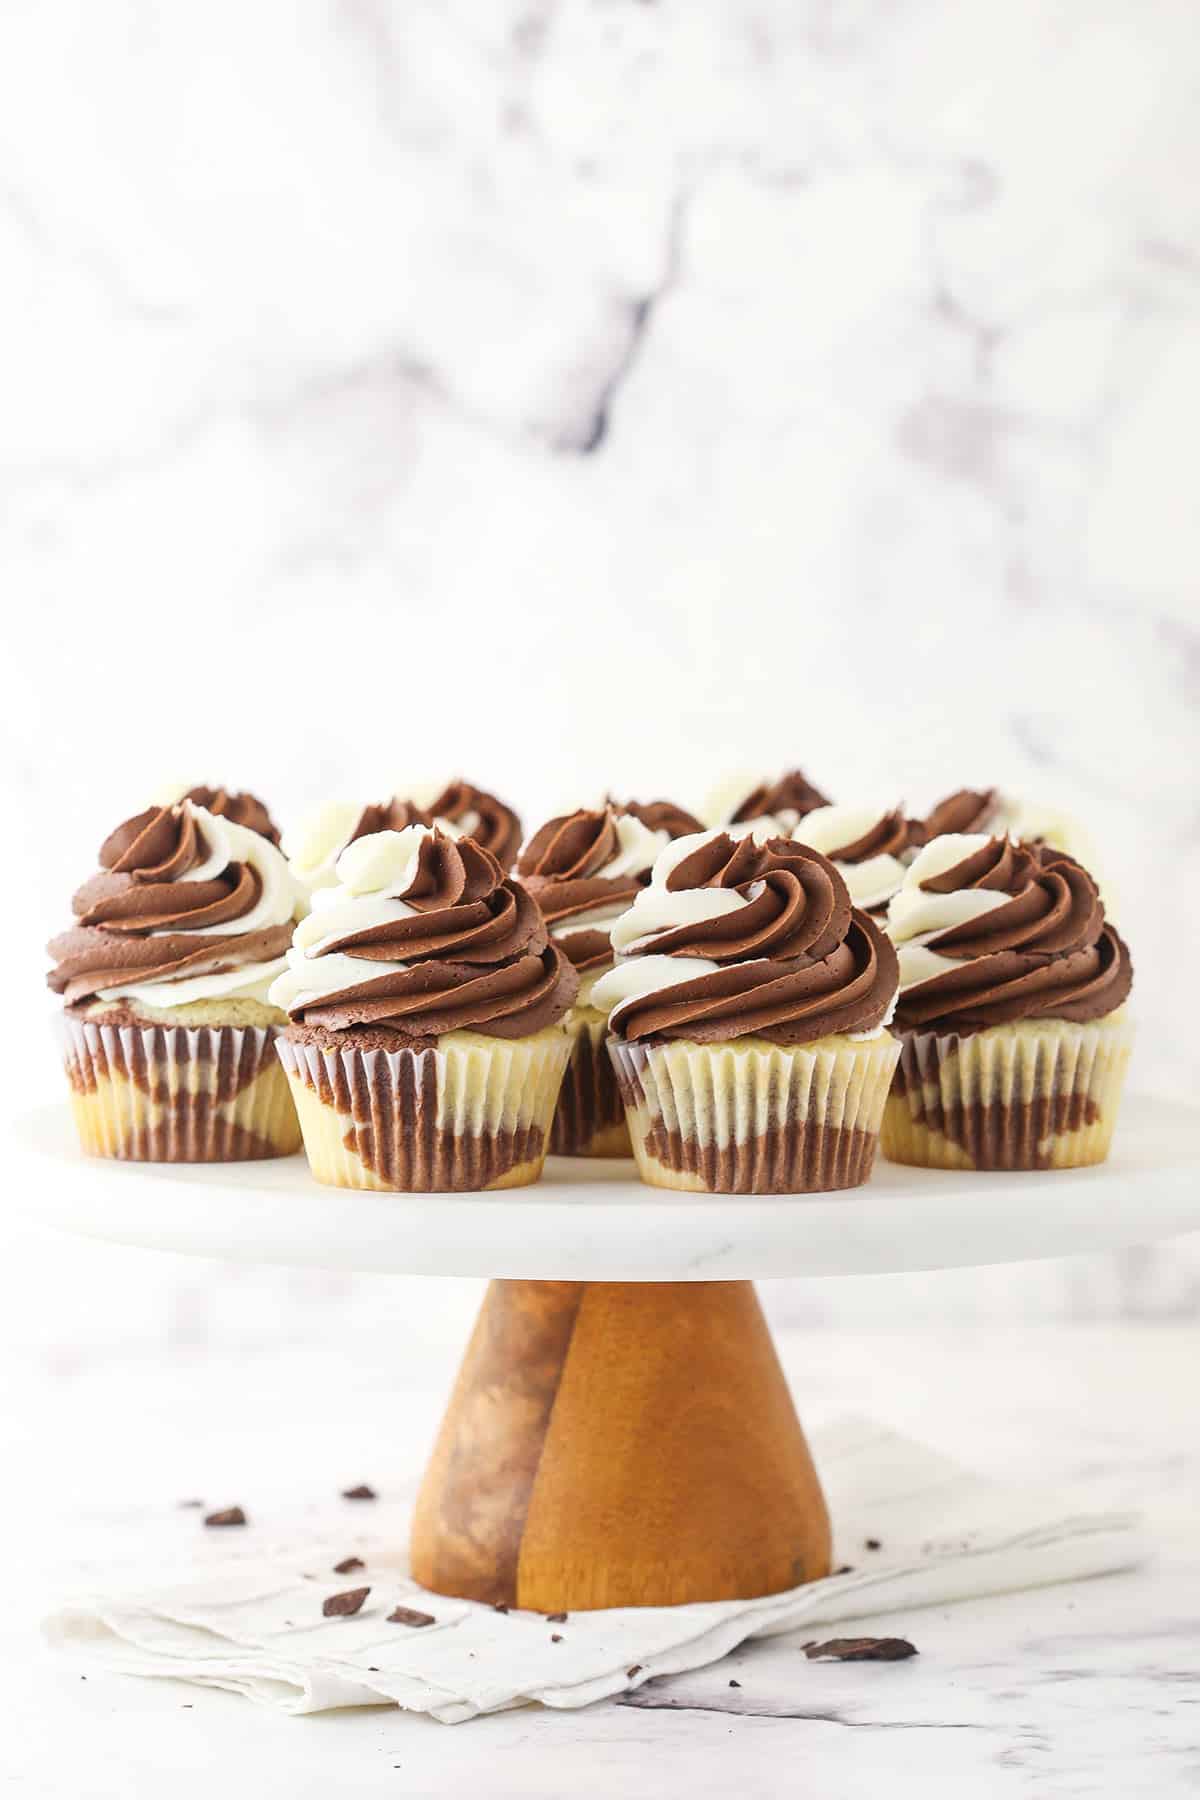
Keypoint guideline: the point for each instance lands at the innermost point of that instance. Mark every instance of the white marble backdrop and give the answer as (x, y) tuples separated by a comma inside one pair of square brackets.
[(586, 393)]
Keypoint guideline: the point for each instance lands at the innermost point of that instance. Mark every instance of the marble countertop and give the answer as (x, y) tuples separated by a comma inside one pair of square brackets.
[(1083, 1689)]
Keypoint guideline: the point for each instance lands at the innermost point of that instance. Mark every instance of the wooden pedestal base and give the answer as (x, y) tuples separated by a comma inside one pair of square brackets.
[(619, 1444)]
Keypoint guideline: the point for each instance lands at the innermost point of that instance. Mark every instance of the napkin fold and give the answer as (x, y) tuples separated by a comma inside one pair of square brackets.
[(912, 1529)]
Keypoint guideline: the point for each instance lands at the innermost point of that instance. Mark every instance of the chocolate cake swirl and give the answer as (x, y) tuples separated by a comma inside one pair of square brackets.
[(734, 939), (990, 932), (182, 893), (585, 868), (424, 935)]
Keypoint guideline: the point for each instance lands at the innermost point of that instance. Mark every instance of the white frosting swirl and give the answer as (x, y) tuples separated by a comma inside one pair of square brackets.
[(873, 881), (914, 916), (372, 873), (314, 847)]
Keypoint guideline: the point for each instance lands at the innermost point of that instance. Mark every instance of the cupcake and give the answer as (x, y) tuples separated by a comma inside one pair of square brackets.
[(748, 1020), (459, 809), (168, 1032), (426, 1042), (762, 808), (869, 847), (1011, 1015), (584, 869)]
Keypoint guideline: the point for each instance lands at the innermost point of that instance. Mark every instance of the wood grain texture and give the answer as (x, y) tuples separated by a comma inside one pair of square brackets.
[(619, 1444)]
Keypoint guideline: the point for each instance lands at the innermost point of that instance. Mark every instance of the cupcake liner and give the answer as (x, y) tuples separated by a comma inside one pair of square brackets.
[(176, 1093), (590, 1117), (752, 1117), (1028, 1096), (472, 1113)]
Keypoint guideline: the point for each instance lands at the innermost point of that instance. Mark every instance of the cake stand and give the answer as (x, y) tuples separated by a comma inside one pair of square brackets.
[(621, 1433)]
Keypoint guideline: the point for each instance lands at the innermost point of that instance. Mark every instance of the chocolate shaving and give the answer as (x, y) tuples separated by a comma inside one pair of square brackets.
[(501, 1606), (873, 1544), (635, 1670), (846, 1569), (408, 1615), (736, 1684), (345, 1604), (361, 1492), (556, 1637), (556, 1618), (861, 1649), (231, 1515), (348, 1565)]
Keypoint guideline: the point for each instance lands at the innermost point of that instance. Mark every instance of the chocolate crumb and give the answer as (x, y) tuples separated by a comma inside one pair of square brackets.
[(500, 1606), (873, 1544), (408, 1615), (636, 1670), (846, 1569), (361, 1492), (862, 1649), (735, 1684), (345, 1604), (556, 1618), (348, 1565), (556, 1637), (230, 1515)]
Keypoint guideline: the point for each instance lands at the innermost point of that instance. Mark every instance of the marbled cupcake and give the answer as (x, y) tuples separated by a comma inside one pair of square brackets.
[(584, 869), (870, 846), (748, 1016), (427, 1003), (1011, 1013), (459, 809), (760, 807), (168, 1031)]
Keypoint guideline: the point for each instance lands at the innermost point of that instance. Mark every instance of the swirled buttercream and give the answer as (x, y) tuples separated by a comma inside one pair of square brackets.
[(224, 803), (188, 905), (756, 806), (990, 932), (585, 867), (423, 935), (733, 938), (869, 847), (459, 809)]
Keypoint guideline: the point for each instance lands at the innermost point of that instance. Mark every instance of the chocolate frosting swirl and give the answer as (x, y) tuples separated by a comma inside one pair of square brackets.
[(140, 920), (243, 809), (890, 835), (1047, 951), (497, 828), (474, 951), (796, 963), (563, 867), (792, 793), (967, 810)]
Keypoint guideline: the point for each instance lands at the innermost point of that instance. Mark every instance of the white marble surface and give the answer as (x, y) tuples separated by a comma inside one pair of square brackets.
[(1079, 1690), (576, 392)]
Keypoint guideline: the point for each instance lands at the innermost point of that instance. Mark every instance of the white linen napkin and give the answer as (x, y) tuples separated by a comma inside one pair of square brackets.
[(252, 1621)]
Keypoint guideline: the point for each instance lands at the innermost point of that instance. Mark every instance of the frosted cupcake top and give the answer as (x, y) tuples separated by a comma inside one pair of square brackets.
[(423, 935), (990, 932), (226, 803), (188, 905), (869, 845), (458, 808), (584, 868), (733, 938), (760, 807)]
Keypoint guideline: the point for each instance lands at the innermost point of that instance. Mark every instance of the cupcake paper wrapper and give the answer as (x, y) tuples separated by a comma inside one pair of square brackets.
[(473, 1113), (1025, 1096), (175, 1093), (590, 1117), (751, 1117)]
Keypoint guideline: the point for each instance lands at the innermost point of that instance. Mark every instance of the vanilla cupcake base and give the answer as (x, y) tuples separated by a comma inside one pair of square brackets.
[(1035, 1095), (471, 1114), (753, 1117), (589, 1119), (173, 1093)]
